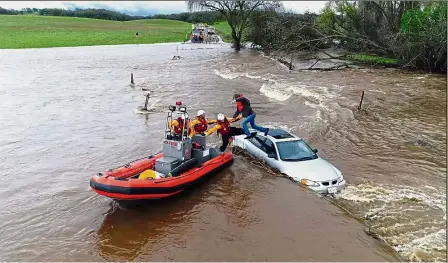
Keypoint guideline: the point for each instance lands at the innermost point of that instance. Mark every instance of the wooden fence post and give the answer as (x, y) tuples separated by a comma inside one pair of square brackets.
[(360, 102)]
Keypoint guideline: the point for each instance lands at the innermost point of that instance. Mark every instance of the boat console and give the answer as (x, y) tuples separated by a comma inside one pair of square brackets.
[(180, 152)]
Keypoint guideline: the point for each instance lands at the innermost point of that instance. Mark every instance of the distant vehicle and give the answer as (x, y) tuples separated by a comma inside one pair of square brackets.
[(294, 158), (203, 34), (210, 30)]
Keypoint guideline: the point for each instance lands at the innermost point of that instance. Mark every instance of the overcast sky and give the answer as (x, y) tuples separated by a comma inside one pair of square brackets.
[(144, 7)]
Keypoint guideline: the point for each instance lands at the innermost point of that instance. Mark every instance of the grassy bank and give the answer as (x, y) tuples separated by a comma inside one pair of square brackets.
[(373, 60), (223, 29), (34, 31)]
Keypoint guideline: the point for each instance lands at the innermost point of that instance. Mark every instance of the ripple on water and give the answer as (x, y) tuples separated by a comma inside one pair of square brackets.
[(411, 219)]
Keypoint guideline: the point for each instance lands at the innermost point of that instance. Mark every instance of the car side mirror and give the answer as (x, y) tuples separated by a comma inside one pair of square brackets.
[(315, 150), (272, 155)]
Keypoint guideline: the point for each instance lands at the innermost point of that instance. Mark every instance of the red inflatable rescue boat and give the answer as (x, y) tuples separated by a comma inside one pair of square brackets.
[(183, 163), (123, 183)]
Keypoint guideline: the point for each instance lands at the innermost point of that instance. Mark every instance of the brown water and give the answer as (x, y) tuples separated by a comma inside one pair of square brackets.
[(68, 113)]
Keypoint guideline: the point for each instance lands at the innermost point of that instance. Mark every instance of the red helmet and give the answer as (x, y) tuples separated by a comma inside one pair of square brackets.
[(178, 102)]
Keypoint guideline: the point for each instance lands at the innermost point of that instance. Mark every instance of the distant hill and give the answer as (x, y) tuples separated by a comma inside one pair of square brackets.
[(209, 17)]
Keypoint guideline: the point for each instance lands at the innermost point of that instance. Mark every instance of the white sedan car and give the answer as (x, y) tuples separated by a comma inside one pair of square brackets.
[(294, 158)]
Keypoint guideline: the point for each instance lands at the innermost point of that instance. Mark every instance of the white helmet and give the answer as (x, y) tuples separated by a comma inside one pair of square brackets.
[(200, 112), (221, 117)]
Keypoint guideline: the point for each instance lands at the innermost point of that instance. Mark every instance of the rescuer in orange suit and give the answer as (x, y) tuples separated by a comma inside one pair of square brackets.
[(223, 127), (200, 124), (177, 125)]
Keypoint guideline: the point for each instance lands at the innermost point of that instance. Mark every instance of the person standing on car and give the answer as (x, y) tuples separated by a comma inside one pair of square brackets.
[(243, 108), (223, 127)]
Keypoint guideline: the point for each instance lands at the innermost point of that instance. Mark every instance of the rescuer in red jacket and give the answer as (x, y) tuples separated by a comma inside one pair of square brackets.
[(223, 127)]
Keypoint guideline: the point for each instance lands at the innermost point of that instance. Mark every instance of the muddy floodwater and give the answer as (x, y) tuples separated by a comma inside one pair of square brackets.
[(68, 113)]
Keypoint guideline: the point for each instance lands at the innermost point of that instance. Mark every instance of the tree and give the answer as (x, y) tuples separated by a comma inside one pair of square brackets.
[(237, 14), (8, 11), (422, 41), (412, 31), (286, 33), (258, 31)]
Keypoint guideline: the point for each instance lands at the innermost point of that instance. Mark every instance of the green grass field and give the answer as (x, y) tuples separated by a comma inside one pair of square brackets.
[(34, 31), (223, 29)]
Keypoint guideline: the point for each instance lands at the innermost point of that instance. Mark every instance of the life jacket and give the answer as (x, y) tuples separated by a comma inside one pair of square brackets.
[(225, 127), (239, 104), (178, 128), (201, 126)]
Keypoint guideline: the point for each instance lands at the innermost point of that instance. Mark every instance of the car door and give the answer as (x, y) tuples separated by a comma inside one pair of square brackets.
[(267, 148), (254, 146)]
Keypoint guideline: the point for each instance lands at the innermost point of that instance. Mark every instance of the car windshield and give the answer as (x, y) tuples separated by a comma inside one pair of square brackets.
[(296, 150)]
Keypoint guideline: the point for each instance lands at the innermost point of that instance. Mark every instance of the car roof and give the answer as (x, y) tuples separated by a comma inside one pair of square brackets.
[(278, 135)]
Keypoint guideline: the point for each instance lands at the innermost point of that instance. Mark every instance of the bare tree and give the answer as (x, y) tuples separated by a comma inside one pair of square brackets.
[(236, 13)]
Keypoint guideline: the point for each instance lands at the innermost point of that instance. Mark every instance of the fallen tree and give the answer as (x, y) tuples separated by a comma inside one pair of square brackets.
[(389, 33)]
